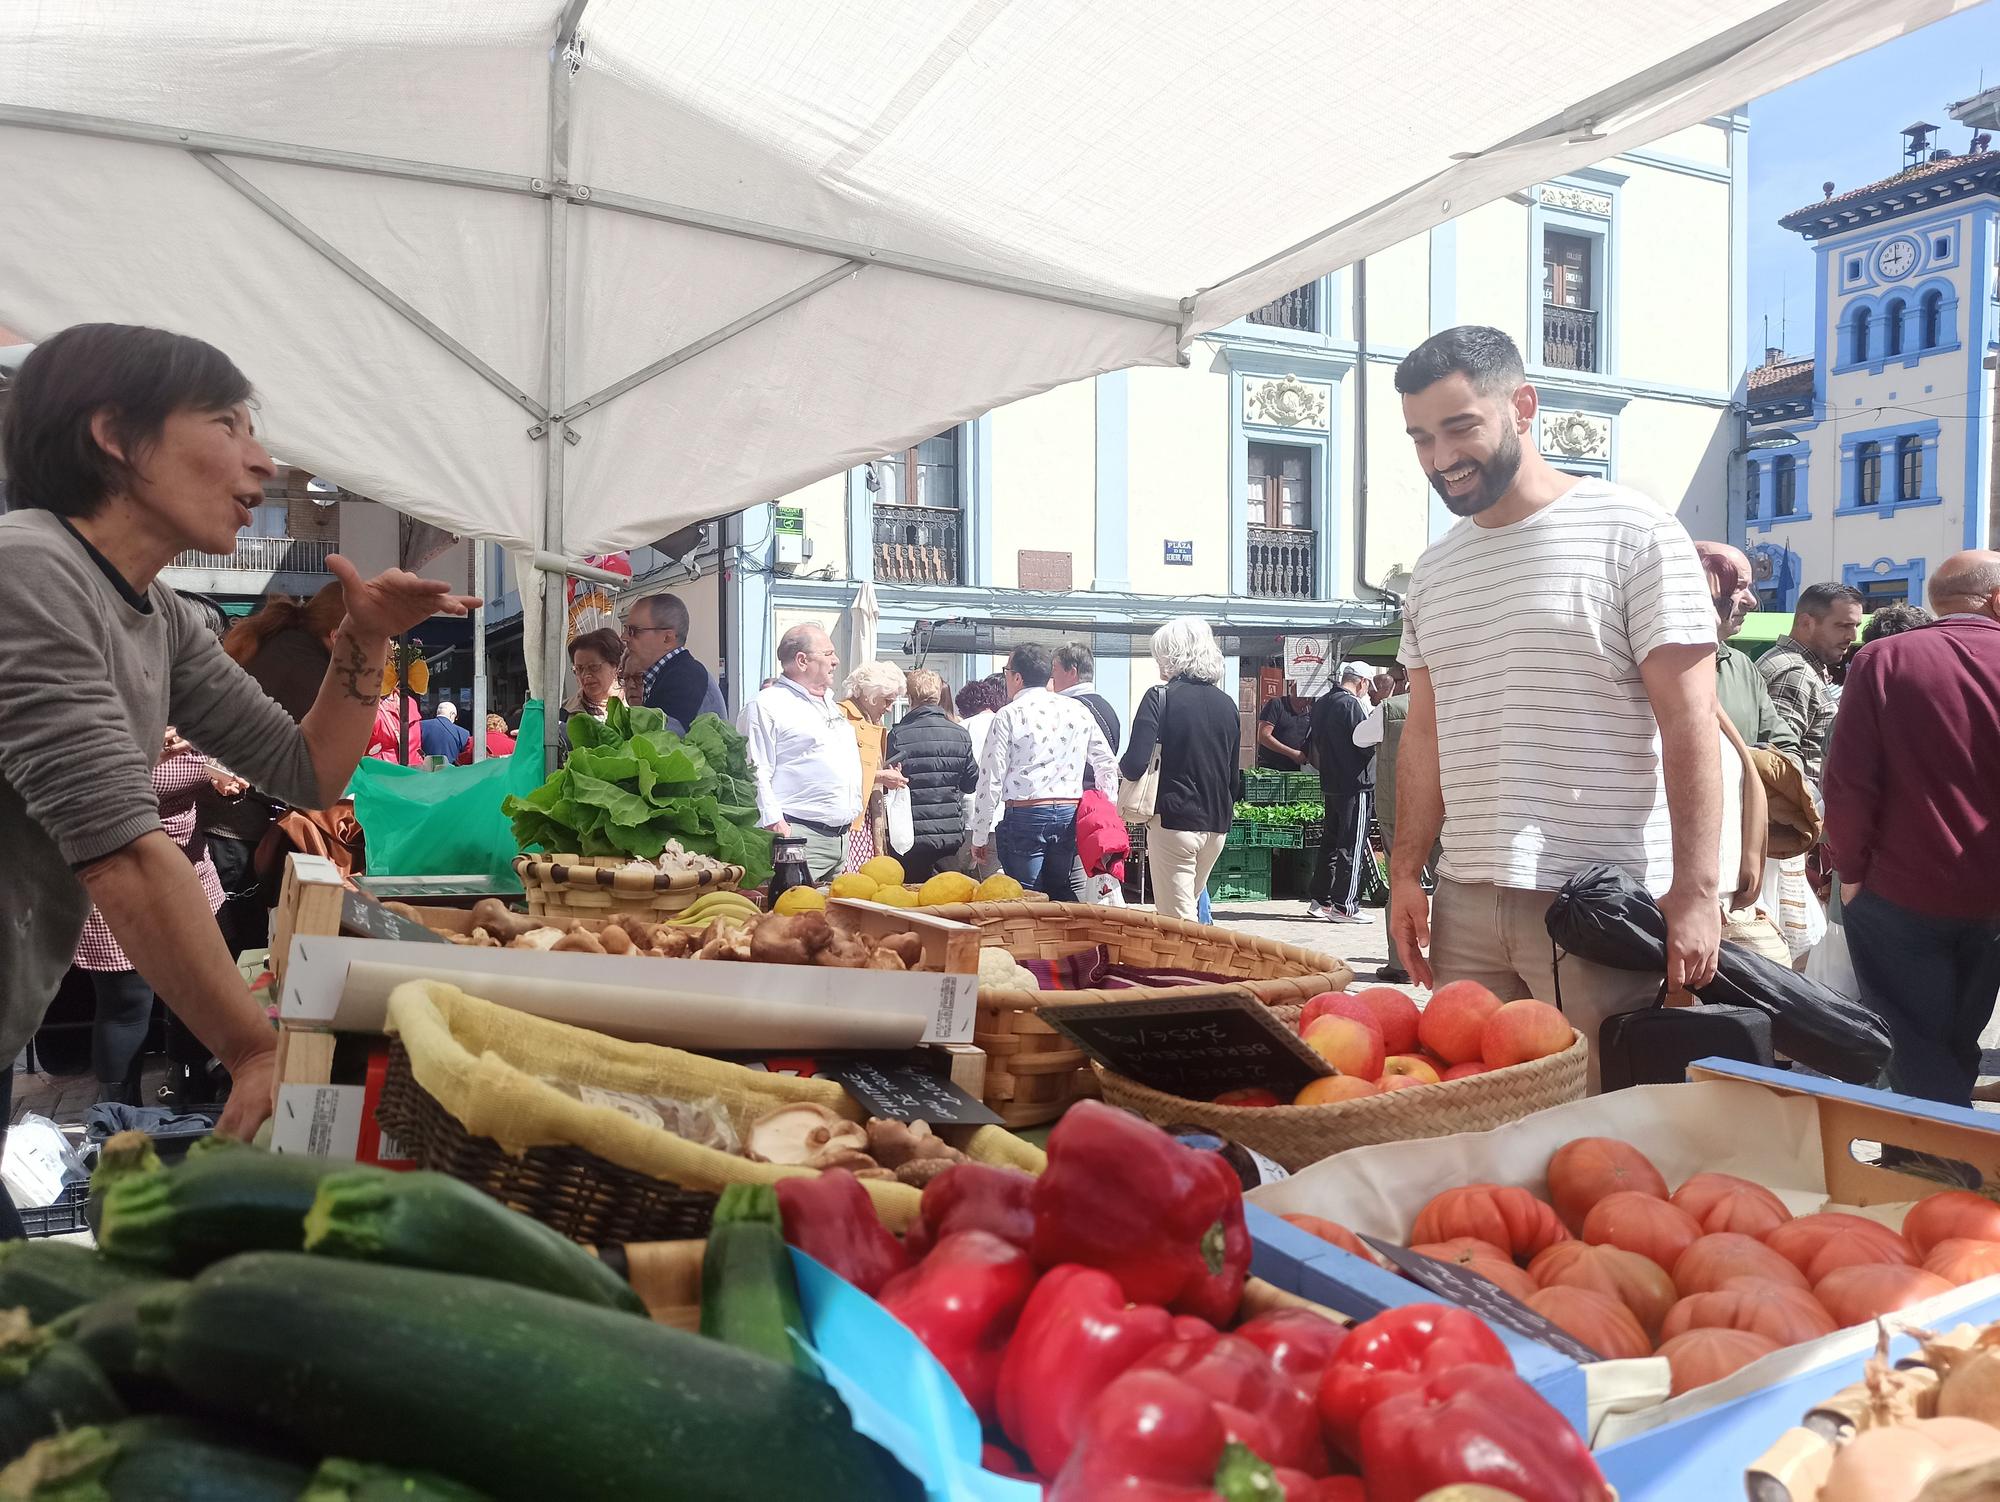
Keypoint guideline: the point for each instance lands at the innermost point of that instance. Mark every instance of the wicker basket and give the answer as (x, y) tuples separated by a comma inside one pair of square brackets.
[(587, 1198), (1032, 1071), (593, 886), (1297, 1136)]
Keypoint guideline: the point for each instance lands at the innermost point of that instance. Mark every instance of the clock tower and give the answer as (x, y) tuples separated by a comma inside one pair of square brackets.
[(1870, 462)]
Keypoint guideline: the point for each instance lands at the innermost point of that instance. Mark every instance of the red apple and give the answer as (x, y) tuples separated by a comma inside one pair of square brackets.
[(1395, 1013), (1337, 1004), (1390, 1082), (1334, 1087), (1249, 1096), (1465, 1071), (1454, 1018), (1523, 1030), (1348, 1044), (1410, 1065)]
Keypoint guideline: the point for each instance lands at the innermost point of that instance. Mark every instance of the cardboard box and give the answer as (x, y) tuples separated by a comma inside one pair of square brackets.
[(1792, 1133)]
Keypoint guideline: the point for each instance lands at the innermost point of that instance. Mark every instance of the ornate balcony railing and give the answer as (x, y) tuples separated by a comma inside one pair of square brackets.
[(273, 555), (916, 544), (1297, 309), (1281, 563), (1569, 338)]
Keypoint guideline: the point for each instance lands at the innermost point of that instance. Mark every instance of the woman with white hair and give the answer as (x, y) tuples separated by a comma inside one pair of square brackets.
[(872, 689), (1195, 726)]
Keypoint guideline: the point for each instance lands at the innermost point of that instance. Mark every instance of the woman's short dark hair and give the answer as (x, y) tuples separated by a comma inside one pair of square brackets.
[(982, 695), (605, 642), (140, 376)]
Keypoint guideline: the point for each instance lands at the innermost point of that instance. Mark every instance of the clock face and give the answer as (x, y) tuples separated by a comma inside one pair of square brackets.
[(1898, 256)]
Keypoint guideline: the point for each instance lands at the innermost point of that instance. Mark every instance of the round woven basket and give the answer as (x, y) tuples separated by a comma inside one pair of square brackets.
[(593, 886), (1032, 1071), (1298, 1136)]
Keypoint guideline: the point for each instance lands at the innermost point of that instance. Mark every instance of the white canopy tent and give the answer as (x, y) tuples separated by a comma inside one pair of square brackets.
[(569, 274)]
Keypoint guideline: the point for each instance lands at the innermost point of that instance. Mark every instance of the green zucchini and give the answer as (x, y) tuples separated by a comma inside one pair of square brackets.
[(749, 1298), (117, 1334), (353, 1481), (180, 1219), (50, 1278), (125, 1155), (434, 1221), (46, 1386), (527, 1395), (149, 1460)]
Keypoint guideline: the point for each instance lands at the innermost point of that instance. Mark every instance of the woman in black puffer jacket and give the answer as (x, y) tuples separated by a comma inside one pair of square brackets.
[(935, 753)]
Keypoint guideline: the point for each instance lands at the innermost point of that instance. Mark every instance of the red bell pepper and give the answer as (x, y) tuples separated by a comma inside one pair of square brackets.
[(1299, 1343), (1481, 1425), (974, 1197), (1393, 1353), (1075, 1336), (1165, 1220), (1259, 1405), (1150, 1437), (831, 1218), (962, 1301)]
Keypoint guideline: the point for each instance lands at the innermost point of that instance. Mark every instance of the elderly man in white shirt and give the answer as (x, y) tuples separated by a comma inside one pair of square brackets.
[(803, 751), (1034, 761)]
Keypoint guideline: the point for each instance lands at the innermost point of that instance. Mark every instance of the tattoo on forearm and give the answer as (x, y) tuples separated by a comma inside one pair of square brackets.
[(351, 670)]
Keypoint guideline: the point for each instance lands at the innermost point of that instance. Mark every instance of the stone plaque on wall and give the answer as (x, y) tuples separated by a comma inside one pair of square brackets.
[(1575, 435), (1577, 200), (1039, 570), (1286, 403)]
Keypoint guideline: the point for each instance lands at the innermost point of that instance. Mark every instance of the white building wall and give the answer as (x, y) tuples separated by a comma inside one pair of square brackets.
[(1045, 481), (1179, 476)]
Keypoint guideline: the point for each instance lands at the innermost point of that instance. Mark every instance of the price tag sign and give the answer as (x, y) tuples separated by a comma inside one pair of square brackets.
[(1195, 1046), (1464, 1287), (902, 1092), (362, 917)]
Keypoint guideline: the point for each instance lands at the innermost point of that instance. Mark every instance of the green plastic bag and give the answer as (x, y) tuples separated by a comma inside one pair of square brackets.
[(448, 822)]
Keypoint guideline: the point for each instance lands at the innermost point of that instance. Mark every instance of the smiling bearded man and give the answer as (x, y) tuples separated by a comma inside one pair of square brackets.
[(1561, 648)]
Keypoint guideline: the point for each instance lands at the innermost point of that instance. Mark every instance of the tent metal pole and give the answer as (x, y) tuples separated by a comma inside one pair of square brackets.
[(557, 433), (1162, 311), (327, 249), (479, 547), (708, 342)]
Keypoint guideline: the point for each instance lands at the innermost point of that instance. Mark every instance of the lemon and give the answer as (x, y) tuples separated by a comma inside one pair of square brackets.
[(896, 896), (883, 870), (852, 884), (800, 900), (999, 887), (947, 887)]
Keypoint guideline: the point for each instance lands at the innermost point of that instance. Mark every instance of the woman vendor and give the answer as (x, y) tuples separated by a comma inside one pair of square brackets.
[(125, 446)]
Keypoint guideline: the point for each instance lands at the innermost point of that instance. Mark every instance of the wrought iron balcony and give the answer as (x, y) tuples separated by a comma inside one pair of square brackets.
[(267, 555), (916, 544), (1569, 338), (1297, 309), (1281, 563)]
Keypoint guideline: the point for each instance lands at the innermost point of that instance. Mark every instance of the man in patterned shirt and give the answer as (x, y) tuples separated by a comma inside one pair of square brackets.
[(1798, 670)]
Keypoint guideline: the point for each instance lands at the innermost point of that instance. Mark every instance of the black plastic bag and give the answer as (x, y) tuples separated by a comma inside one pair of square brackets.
[(1604, 916)]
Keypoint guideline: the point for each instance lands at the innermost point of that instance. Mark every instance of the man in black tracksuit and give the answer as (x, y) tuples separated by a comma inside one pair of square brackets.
[(935, 753), (1347, 784)]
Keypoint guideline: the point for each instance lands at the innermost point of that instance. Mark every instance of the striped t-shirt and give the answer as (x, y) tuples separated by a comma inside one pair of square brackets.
[(1533, 634)]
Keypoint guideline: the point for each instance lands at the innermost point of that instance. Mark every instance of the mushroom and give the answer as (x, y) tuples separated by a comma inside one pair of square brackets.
[(614, 940), (501, 921), (537, 938), (895, 1143), (581, 940), (920, 1171), (801, 1132)]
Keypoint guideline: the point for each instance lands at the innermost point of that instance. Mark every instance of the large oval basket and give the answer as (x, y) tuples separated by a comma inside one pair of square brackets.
[(1297, 1136), (1032, 1071), (592, 886)]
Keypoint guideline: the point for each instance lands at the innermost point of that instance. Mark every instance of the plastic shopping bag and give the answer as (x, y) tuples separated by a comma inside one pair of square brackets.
[(1829, 963), (448, 822), (1788, 899), (896, 809), (1104, 890)]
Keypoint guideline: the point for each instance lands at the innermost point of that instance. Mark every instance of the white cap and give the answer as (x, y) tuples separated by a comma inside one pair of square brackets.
[(1356, 670), (448, 711)]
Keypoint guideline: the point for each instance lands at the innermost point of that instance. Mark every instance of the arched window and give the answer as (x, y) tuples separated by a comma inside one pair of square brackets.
[(1892, 327), (1862, 319), (1931, 316)]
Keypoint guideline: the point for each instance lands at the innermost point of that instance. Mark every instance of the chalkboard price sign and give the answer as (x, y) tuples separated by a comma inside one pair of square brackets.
[(362, 917), (903, 1092), (1194, 1046), (1489, 1301)]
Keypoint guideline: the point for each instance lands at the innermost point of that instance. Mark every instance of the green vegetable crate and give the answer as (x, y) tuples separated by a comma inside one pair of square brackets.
[(1241, 876), (1261, 786), (1265, 837)]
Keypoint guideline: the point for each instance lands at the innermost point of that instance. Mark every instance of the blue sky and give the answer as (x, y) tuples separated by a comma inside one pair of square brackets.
[(1842, 123)]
